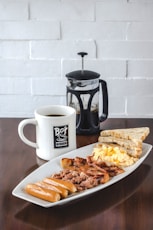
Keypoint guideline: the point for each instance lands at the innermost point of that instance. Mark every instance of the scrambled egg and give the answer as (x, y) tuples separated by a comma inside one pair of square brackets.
[(113, 155)]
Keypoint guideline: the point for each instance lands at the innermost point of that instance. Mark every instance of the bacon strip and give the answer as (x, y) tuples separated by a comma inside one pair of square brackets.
[(84, 173)]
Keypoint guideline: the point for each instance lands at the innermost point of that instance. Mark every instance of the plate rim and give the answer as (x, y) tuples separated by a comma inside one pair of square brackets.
[(20, 193)]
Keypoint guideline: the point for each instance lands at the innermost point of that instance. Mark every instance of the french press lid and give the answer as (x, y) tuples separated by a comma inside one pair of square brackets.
[(82, 74)]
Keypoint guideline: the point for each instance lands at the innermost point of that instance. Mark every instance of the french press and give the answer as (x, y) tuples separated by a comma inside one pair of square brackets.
[(83, 89)]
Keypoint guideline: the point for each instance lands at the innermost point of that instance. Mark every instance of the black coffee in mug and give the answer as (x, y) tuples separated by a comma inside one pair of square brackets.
[(54, 115)]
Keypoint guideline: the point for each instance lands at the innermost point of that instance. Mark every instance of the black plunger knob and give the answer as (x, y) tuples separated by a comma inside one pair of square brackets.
[(82, 54)]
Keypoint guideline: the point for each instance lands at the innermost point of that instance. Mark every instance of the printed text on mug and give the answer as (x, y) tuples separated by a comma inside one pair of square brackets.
[(61, 136)]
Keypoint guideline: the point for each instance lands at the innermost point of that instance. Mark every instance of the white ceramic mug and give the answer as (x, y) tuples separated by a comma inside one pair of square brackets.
[(55, 131)]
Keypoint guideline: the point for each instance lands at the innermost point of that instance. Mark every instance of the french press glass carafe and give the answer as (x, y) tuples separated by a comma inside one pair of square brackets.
[(83, 94)]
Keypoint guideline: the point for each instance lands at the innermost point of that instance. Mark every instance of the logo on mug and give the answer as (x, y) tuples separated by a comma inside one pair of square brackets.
[(61, 136)]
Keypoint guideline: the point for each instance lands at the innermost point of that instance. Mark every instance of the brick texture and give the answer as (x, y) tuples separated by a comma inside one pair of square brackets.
[(39, 42)]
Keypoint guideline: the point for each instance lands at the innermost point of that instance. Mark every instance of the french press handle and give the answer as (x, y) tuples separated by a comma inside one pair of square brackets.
[(104, 115)]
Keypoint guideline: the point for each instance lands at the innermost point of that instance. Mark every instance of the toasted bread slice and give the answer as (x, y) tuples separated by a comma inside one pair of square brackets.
[(131, 139), (130, 134), (134, 152), (137, 144)]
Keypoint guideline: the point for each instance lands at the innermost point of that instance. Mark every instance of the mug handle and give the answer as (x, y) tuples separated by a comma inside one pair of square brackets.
[(21, 126), (104, 115)]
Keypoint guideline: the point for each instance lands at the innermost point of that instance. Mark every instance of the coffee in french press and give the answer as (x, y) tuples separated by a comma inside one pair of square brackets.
[(83, 92)]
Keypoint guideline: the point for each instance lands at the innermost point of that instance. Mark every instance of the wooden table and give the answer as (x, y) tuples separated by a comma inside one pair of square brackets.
[(126, 205)]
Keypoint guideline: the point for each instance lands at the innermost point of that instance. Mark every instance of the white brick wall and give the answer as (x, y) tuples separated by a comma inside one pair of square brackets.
[(39, 42)]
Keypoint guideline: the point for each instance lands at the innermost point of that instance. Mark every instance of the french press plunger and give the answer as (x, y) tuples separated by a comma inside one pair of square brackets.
[(83, 95)]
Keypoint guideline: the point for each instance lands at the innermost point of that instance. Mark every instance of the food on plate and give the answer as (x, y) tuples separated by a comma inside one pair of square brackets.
[(131, 148), (130, 133), (42, 193), (50, 189), (115, 150), (130, 139), (62, 191), (79, 163), (78, 174), (84, 173), (62, 183), (112, 154)]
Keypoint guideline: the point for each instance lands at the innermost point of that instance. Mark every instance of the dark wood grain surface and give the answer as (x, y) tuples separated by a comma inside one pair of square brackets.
[(126, 205)]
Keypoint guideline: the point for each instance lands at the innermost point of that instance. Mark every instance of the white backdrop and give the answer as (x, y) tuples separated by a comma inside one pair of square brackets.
[(39, 41)]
